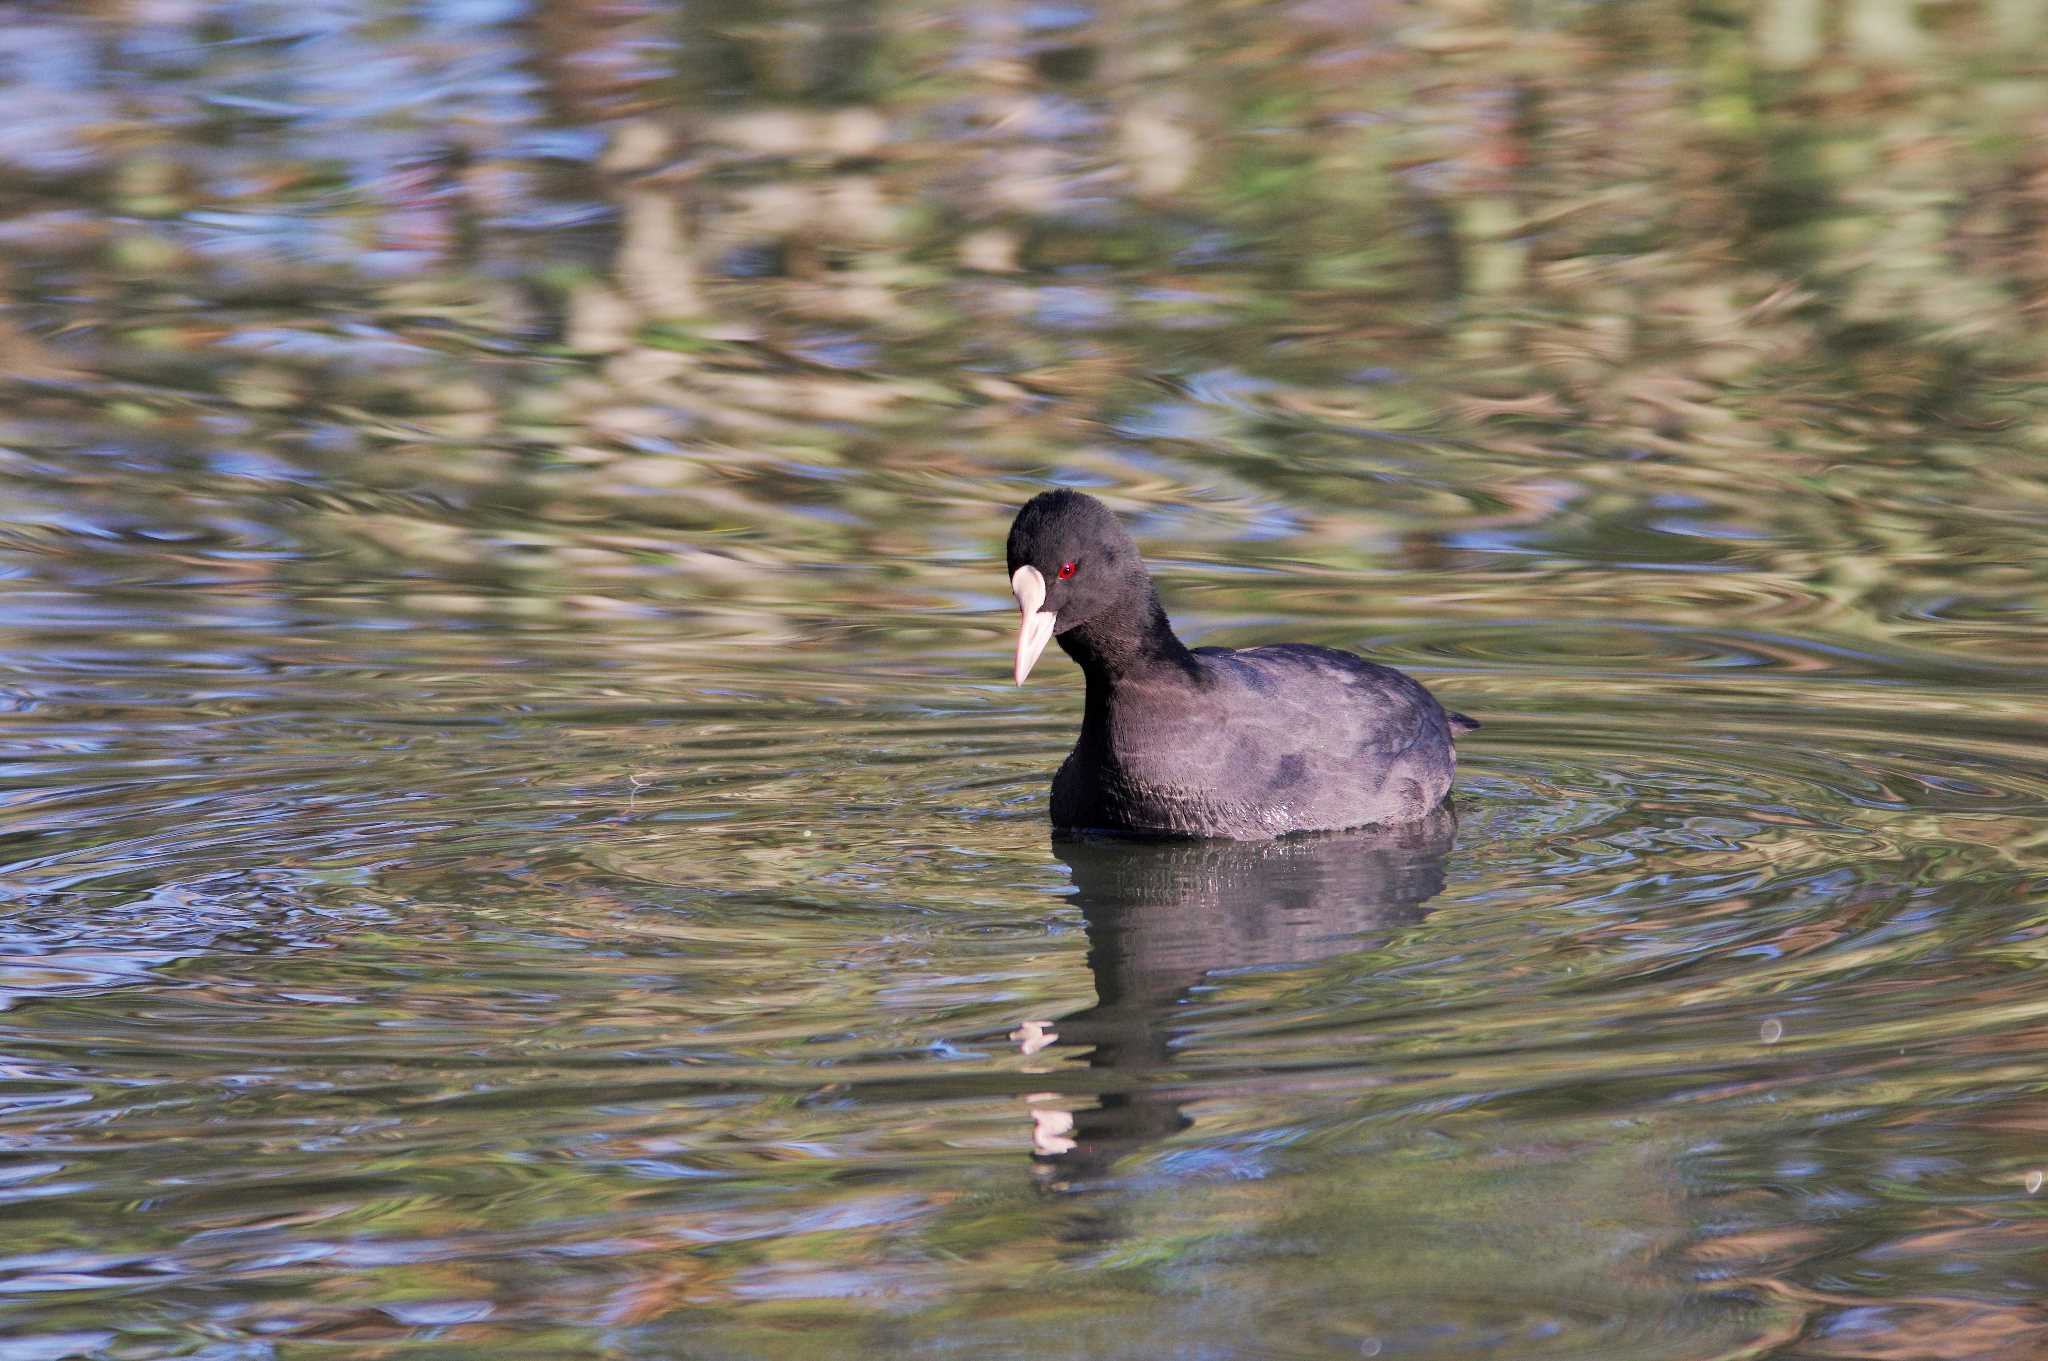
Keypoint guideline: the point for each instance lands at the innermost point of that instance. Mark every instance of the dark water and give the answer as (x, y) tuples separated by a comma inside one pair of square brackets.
[(519, 841)]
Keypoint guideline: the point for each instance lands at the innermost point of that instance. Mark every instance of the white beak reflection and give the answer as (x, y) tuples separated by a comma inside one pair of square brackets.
[(1034, 629)]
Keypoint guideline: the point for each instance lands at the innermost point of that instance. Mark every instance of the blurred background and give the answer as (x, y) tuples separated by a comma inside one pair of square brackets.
[(519, 837)]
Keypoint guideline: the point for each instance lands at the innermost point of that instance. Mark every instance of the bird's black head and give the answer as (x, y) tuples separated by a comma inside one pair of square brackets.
[(1072, 564)]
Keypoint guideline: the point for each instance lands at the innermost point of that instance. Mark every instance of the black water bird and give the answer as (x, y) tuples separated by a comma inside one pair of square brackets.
[(1243, 743)]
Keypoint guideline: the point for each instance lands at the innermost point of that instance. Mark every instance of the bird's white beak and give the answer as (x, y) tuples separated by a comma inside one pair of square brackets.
[(1034, 630)]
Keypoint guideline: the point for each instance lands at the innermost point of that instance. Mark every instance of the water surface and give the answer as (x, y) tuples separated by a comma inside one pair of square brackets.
[(519, 840)]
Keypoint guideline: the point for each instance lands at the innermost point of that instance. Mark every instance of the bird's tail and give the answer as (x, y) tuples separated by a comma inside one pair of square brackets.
[(1463, 723)]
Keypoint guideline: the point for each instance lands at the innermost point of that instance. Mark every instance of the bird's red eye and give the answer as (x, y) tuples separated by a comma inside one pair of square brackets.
[(1066, 570)]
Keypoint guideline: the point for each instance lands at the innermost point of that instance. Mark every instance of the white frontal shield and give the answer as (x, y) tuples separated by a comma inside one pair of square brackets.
[(1034, 628)]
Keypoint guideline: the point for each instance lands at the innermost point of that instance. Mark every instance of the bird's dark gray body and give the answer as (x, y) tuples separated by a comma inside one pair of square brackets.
[(1212, 742), (1257, 742)]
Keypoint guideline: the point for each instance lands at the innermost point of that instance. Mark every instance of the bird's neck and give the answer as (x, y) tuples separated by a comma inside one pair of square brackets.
[(1128, 643)]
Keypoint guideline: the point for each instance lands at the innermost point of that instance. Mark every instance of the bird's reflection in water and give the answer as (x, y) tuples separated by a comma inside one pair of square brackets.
[(1163, 916)]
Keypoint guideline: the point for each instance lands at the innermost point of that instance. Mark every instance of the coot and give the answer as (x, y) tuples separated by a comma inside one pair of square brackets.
[(1211, 741)]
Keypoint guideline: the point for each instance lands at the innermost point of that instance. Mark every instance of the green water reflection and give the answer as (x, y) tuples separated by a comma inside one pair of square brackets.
[(519, 841)]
